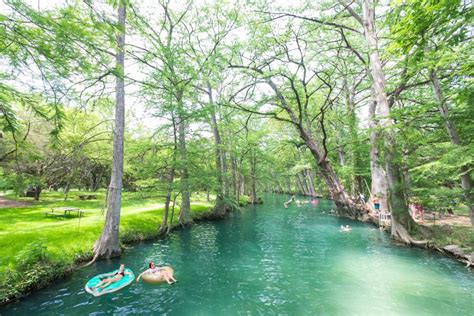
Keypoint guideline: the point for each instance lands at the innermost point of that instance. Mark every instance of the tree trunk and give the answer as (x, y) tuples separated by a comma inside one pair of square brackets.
[(220, 207), (238, 188), (96, 179), (38, 190), (66, 190), (299, 184), (253, 177), (93, 183), (346, 206), (185, 209), (397, 202), (164, 227), (164, 224), (379, 178), (466, 181), (342, 156), (354, 145), (234, 186), (305, 183), (309, 178), (108, 245)]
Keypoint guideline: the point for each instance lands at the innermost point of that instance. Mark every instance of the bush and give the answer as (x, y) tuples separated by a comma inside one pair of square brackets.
[(244, 200), (33, 253), (15, 283)]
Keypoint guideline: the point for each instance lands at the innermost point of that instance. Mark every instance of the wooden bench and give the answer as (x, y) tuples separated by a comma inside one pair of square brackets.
[(87, 196)]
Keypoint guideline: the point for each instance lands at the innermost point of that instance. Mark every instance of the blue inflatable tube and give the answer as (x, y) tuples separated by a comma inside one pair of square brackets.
[(115, 286)]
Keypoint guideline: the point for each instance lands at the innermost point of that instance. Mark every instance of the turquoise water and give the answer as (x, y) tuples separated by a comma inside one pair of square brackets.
[(270, 260)]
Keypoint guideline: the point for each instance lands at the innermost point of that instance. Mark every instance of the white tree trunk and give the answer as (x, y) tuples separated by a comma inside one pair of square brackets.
[(397, 202), (378, 176), (108, 244)]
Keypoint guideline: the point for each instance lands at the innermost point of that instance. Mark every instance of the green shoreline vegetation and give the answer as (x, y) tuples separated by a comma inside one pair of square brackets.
[(37, 249)]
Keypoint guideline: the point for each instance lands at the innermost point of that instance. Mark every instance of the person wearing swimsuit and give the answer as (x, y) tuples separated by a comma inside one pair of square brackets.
[(164, 274), (110, 278)]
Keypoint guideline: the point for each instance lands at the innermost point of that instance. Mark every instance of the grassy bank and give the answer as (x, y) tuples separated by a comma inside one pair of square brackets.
[(36, 249), (463, 236)]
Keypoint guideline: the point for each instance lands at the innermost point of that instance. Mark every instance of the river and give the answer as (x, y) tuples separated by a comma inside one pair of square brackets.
[(271, 260)]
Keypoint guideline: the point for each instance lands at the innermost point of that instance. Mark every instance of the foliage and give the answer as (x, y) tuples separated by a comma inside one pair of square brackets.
[(56, 248)]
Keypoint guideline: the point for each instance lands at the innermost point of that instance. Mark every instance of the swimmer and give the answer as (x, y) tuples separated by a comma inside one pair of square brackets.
[(163, 273), (347, 228), (110, 278)]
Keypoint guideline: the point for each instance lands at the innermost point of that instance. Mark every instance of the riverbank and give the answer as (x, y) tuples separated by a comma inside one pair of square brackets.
[(37, 249), (451, 235)]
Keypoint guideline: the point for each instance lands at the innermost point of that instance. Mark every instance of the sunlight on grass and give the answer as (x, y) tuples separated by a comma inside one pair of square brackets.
[(68, 239)]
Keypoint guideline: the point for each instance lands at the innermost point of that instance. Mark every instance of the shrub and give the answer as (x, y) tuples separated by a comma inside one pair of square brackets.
[(244, 200), (33, 253)]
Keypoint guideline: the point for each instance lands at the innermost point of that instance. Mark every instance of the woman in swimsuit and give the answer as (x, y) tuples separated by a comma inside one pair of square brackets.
[(164, 274), (110, 278)]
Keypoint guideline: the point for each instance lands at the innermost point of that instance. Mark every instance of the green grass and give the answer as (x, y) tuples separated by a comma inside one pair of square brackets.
[(462, 236), (67, 240)]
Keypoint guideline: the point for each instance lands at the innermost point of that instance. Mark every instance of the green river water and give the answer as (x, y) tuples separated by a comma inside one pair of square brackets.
[(267, 260)]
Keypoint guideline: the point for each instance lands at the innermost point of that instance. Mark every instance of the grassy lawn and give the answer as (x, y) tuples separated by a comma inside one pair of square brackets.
[(66, 240)]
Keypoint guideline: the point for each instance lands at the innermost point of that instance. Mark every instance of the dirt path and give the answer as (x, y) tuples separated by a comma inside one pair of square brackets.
[(451, 220), (4, 203)]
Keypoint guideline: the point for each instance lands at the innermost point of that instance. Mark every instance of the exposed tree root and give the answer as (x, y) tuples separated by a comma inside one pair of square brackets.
[(400, 233), (352, 210)]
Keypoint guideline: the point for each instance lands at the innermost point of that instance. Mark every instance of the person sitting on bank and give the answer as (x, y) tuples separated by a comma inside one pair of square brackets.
[(376, 204), (110, 278), (163, 273)]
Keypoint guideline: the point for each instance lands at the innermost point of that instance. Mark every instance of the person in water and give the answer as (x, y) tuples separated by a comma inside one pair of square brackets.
[(110, 278), (347, 228), (164, 274)]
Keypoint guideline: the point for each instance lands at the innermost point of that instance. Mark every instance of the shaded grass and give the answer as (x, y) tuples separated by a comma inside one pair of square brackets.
[(462, 236), (67, 240)]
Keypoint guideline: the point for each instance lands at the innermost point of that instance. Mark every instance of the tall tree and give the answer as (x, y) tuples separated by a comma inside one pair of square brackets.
[(434, 36), (302, 98), (402, 222), (108, 244)]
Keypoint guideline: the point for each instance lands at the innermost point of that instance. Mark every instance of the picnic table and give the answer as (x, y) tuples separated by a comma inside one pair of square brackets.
[(87, 196), (64, 212)]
